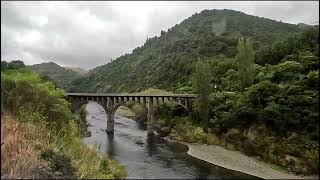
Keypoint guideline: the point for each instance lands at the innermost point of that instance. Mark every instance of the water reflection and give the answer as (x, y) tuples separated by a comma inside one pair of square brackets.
[(147, 156), (111, 146), (151, 148)]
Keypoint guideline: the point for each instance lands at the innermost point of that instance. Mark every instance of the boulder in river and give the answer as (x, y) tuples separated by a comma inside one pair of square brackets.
[(156, 126), (164, 131)]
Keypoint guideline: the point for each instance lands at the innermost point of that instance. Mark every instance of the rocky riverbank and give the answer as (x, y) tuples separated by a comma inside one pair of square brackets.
[(237, 161), (229, 159)]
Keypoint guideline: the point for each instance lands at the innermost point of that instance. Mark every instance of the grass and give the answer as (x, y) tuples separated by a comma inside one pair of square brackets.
[(19, 155), (153, 91), (31, 151), (132, 109), (125, 111), (188, 131)]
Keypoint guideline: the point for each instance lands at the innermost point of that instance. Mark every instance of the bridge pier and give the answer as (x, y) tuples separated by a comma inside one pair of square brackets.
[(110, 122), (110, 111), (111, 102), (150, 116)]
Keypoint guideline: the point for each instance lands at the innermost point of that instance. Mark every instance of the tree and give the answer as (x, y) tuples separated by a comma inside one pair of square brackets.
[(17, 64), (162, 33), (201, 83), (244, 62)]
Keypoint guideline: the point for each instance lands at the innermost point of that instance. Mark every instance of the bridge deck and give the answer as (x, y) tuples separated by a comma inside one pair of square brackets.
[(132, 95)]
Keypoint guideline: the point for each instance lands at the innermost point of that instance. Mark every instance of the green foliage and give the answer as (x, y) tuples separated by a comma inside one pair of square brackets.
[(188, 131), (313, 160), (12, 65), (284, 96), (104, 165), (244, 61), (27, 92), (60, 76), (81, 120), (308, 40), (279, 92), (59, 163), (37, 102), (287, 71), (201, 84)]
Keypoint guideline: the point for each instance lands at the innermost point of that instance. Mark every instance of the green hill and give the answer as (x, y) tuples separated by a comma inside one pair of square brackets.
[(61, 76), (165, 62)]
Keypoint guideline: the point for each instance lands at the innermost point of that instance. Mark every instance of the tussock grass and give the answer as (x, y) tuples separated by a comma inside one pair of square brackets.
[(24, 143), (188, 131), (40, 136), (125, 111), (19, 155), (153, 91), (88, 163)]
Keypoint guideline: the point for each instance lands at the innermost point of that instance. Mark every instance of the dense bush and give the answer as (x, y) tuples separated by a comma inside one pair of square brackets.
[(26, 94), (54, 132), (283, 100)]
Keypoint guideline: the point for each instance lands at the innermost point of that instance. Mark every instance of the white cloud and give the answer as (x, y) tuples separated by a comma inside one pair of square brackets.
[(88, 34), (29, 38)]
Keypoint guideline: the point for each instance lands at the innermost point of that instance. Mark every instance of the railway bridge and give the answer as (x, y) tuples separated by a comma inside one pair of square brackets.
[(112, 101)]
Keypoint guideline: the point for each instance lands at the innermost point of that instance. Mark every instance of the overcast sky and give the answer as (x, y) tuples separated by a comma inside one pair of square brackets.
[(89, 34)]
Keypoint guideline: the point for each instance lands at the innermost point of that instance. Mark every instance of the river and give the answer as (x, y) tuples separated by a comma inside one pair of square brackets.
[(147, 157)]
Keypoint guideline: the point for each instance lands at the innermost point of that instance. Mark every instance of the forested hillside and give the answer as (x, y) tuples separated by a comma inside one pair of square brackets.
[(77, 69), (257, 81), (265, 104), (165, 62), (61, 76), (266, 99)]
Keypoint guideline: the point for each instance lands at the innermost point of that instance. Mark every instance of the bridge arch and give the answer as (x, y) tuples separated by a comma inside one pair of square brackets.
[(111, 102), (143, 106), (76, 105), (174, 103)]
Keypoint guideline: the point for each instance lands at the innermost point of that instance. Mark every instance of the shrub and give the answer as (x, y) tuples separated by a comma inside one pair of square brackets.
[(45, 125)]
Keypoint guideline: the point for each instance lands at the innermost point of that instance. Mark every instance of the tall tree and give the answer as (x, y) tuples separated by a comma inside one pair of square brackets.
[(244, 61), (201, 83)]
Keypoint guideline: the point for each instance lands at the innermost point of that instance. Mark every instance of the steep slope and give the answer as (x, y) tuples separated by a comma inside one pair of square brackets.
[(62, 77), (165, 62), (78, 70)]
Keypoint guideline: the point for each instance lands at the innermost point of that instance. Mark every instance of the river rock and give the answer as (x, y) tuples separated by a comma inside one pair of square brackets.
[(88, 125), (230, 146), (86, 134), (212, 121), (212, 139), (156, 126), (139, 142), (164, 131)]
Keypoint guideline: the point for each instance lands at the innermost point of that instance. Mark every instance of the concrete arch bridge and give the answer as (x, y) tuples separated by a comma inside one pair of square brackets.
[(111, 102)]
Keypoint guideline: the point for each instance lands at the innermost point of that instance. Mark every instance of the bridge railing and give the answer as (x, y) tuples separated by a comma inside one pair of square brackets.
[(132, 95)]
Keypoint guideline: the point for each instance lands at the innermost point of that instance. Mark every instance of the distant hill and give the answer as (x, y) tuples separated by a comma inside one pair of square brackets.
[(78, 69), (165, 62), (61, 76)]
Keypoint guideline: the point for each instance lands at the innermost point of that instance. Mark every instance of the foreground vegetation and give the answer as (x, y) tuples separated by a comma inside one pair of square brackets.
[(273, 115), (40, 137), (265, 103)]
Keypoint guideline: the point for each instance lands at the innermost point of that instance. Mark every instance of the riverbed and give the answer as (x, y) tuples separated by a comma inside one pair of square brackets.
[(148, 157)]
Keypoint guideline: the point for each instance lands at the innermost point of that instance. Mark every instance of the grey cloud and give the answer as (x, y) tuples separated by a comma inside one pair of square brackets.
[(291, 12), (11, 17), (89, 34)]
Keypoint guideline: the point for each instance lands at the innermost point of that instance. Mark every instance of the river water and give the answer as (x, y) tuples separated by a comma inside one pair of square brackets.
[(147, 157)]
